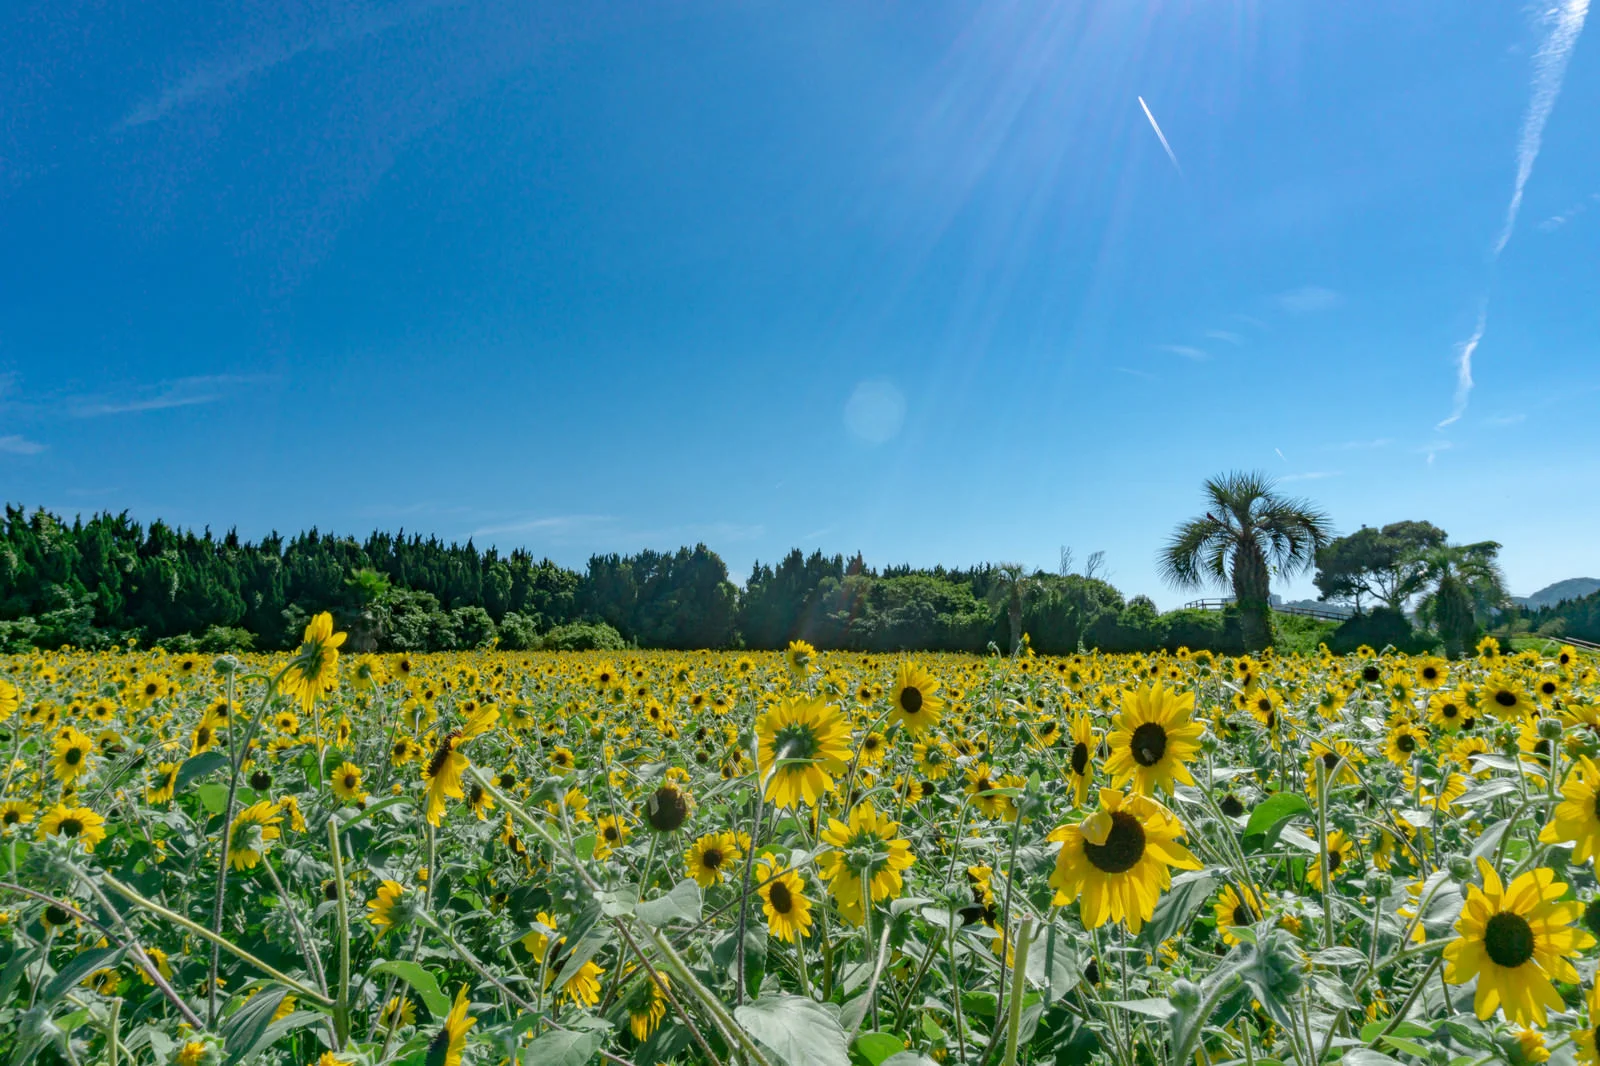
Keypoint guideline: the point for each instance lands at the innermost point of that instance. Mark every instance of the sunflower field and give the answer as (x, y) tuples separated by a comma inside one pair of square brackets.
[(548, 859)]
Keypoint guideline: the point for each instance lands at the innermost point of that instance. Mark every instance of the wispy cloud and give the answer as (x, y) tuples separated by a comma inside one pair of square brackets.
[(1309, 298), (1549, 68), (1464, 372), (550, 525), (1225, 336), (1157, 127), (1145, 374), (1361, 445), (16, 445), (212, 78), (1185, 350), (1555, 222), (1501, 421), (1434, 449), (1310, 475), (181, 392)]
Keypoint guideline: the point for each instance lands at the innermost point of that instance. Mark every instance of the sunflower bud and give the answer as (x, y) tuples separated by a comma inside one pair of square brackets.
[(1380, 885), (1185, 995), (1460, 868), (1550, 728)]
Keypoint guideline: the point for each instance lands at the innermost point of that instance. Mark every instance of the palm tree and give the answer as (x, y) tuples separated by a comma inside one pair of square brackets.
[(1462, 586), (1247, 533), (1011, 585)]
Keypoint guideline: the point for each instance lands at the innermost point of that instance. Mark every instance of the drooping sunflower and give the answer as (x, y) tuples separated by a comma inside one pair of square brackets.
[(1576, 820), (74, 823), (381, 907), (866, 849), (1119, 859), (1154, 739), (1236, 910), (164, 786), (451, 1040), (347, 783), (443, 772), (709, 856), (1516, 941), (915, 703), (1080, 765), (804, 745), (646, 1004), (316, 664), (783, 900), (397, 1012), (1333, 754), (933, 757), (252, 833), (72, 751)]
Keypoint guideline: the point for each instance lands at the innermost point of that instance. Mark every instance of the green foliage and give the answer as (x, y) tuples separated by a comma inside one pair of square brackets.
[(1378, 629), (1382, 565), (1299, 635), (583, 636)]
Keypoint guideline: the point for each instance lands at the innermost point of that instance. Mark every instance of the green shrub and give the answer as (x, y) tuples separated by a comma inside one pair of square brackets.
[(583, 636), (1380, 628), (518, 632)]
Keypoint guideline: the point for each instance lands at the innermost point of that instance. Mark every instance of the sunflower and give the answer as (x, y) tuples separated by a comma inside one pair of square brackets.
[(1585, 1041), (447, 1044), (398, 1011), (1080, 768), (166, 784), (15, 813), (316, 664), (1448, 710), (1405, 740), (915, 704), (804, 744), (347, 783), (1341, 850), (1506, 698), (1119, 859), (9, 699), (1576, 820), (1153, 739), (933, 757), (783, 900), (709, 856), (867, 848), (1515, 941), (72, 755), (646, 1004), (444, 769), (73, 823), (253, 830), (668, 807), (799, 658), (381, 907), (1338, 753), (1430, 672), (610, 834), (1236, 910)]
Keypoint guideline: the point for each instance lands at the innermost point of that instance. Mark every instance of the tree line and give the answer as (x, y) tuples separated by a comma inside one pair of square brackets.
[(108, 579)]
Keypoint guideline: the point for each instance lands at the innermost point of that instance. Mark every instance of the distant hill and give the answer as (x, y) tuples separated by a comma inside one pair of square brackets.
[(1573, 588), (1332, 608)]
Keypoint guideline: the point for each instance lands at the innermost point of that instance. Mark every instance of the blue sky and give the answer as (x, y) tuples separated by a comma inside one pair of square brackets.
[(917, 279)]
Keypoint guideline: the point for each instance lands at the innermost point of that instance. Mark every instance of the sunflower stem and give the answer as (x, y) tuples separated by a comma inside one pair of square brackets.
[(1019, 983), (341, 1009)]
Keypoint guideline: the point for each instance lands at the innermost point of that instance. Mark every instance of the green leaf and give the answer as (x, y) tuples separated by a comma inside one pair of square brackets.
[(82, 965), (197, 766), (1367, 1057), (213, 797), (1150, 1008), (246, 1027), (419, 979), (908, 1058), (1410, 1047), (1177, 908), (559, 1048), (682, 902), (1272, 814), (1339, 956), (873, 1048), (799, 1031), (273, 1033)]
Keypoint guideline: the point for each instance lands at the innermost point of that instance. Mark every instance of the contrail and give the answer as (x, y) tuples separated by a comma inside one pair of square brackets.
[(1157, 126), (1549, 68), (1464, 371)]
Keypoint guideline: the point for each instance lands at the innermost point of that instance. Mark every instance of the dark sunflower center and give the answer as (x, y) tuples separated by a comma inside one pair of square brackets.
[(1449, 710), (1406, 743), (1548, 688), (1123, 847), (911, 699), (1508, 938), (1264, 705), (780, 897), (1505, 697), (1330, 759), (1430, 673), (1591, 915), (11, 817), (1242, 916), (56, 916), (1370, 673), (439, 1047), (260, 780), (71, 827), (712, 859), (1149, 744), (1080, 758), (74, 756), (1231, 806), (1335, 860), (666, 809), (610, 834)]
